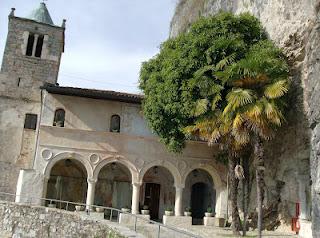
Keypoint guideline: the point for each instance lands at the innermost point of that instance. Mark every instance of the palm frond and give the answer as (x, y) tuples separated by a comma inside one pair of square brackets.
[(276, 90), (201, 107), (238, 97), (273, 114), (225, 61), (215, 101)]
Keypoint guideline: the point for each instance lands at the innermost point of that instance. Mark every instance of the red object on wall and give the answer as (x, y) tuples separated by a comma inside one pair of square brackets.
[(297, 209), (295, 225)]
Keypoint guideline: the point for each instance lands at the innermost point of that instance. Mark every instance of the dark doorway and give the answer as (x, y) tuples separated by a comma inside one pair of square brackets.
[(152, 197), (199, 202)]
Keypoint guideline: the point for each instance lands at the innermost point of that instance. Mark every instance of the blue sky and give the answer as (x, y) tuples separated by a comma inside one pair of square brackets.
[(106, 40)]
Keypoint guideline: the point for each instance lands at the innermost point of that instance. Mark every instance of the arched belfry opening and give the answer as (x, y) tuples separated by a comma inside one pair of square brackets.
[(114, 186), (199, 194), (158, 191), (68, 182)]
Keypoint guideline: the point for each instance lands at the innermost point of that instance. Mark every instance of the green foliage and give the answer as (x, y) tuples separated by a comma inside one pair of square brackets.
[(200, 74)]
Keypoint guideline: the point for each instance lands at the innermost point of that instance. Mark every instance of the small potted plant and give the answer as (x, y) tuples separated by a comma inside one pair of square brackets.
[(52, 205), (99, 209), (168, 211), (125, 209), (79, 208), (209, 212), (187, 212), (145, 210)]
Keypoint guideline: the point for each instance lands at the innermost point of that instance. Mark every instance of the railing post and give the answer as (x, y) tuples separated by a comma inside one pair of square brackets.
[(159, 231), (111, 215), (135, 223)]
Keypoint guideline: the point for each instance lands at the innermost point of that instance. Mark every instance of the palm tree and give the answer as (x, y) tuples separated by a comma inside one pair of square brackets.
[(249, 114), (255, 104), (215, 130)]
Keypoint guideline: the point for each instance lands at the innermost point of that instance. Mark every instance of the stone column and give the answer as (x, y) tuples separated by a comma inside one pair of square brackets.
[(45, 53), (25, 42), (178, 201), (221, 202), (135, 198), (36, 36), (90, 192), (45, 189)]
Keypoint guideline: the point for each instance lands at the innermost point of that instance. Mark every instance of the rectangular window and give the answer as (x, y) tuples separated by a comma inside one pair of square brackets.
[(39, 46), (30, 121), (30, 45)]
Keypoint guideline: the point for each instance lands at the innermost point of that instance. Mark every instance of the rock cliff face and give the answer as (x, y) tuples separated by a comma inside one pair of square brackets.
[(295, 26)]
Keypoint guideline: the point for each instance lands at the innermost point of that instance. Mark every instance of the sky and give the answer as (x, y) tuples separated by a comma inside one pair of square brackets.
[(106, 40)]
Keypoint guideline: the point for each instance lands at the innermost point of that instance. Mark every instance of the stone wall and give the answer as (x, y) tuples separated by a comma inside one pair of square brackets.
[(294, 26), (24, 221)]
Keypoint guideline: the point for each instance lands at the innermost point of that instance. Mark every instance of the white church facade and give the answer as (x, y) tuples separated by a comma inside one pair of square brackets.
[(90, 146)]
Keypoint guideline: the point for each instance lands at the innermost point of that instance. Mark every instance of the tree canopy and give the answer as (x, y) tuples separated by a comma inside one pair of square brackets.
[(194, 74)]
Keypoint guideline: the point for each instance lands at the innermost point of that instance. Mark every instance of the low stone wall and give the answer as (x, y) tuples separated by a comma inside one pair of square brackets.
[(23, 221)]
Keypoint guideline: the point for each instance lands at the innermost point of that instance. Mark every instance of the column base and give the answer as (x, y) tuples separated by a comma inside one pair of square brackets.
[(213, 221), (180, 221)]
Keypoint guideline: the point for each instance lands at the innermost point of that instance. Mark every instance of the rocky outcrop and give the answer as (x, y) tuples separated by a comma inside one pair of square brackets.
[(294, 26)]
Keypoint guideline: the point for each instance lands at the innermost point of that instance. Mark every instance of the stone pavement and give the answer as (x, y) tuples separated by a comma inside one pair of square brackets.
[(213, 232)]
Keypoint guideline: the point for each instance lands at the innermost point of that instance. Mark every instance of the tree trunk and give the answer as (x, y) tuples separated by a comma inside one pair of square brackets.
[(245, 193), (234, 182), (259, 159)]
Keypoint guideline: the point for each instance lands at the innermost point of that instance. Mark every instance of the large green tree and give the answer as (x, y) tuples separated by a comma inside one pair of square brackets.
[(195, 85), (183, 72)]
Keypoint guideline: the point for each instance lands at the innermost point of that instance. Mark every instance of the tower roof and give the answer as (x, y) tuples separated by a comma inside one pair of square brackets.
[(41, 14)]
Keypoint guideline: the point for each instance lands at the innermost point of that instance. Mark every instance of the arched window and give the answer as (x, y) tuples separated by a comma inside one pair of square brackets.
[(115, 123), (59, 116)]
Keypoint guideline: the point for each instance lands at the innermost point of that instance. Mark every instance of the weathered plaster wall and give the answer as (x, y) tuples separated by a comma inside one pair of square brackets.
[(92, 114), (294, 26), (25, 221), (17, 145), (86, 138)]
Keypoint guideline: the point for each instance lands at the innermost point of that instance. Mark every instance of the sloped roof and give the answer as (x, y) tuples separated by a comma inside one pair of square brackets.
[(94, 93), (41, 14)]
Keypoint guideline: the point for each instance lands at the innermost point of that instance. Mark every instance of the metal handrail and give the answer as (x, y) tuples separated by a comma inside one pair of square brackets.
[(89, 209)]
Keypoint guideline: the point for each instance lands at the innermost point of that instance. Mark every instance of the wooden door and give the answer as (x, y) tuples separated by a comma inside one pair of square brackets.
[(152, 199)]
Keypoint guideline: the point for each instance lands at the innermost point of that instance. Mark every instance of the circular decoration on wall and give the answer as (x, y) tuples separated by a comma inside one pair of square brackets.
[(139, 163), (94, 158), (182, 165), (46, 154)]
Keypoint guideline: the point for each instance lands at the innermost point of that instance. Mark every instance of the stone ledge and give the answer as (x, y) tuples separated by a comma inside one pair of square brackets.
[(177, 221)]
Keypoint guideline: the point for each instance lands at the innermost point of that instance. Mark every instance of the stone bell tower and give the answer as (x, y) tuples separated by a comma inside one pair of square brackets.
[(33, 50), (31, 58)]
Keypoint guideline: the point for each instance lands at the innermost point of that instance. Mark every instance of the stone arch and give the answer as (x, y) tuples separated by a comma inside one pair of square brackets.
[(68, 155), (130, 166), (169, 166), (210, 170)]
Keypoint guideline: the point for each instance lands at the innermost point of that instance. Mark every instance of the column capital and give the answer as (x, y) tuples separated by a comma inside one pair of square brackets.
[(137, 184), (179, 186), (91, 180)]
